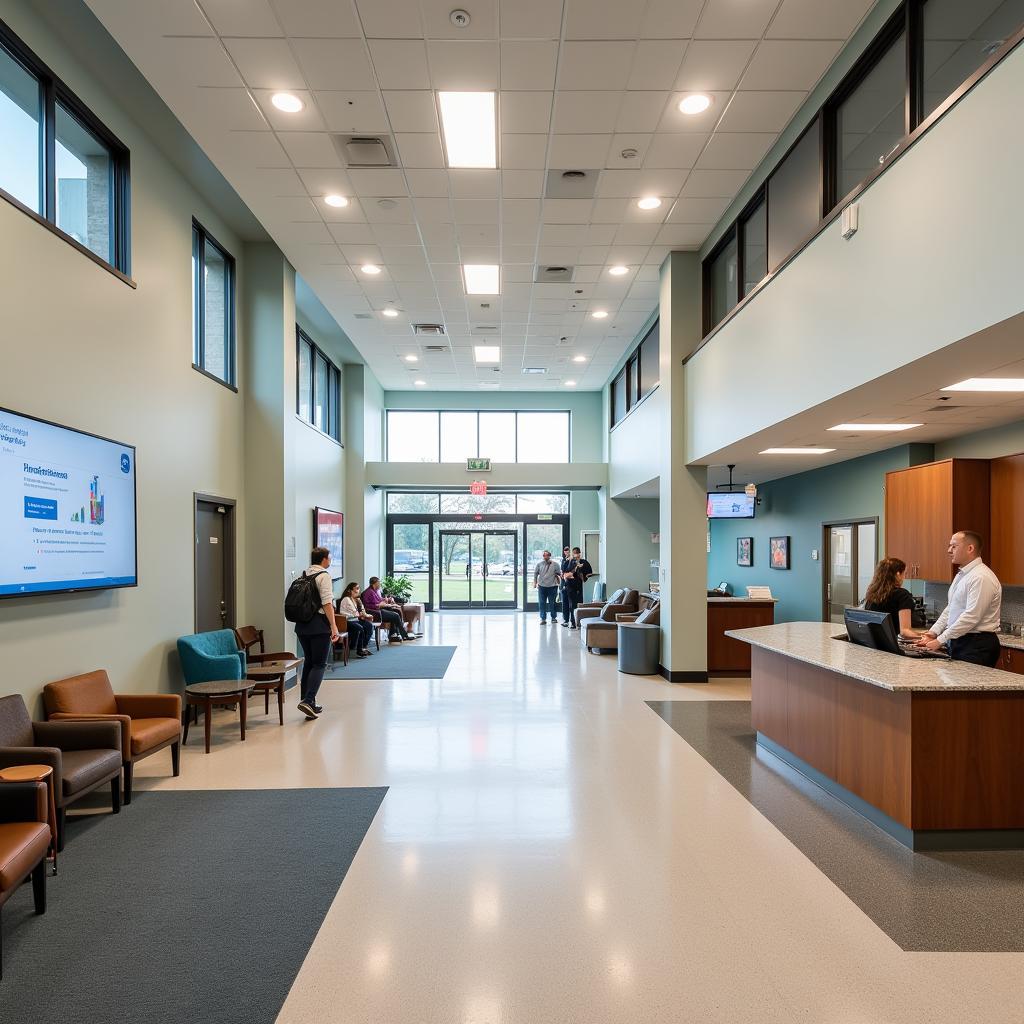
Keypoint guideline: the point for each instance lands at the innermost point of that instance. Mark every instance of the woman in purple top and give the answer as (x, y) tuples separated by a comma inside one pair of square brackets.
[(385, 610)]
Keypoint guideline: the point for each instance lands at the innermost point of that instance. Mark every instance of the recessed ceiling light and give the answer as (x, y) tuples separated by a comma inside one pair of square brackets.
[(618, 271), (468, 123), (487, 353), (579, 359), (412, 359), (875, 426), (695, 103), (337, 201), (570, 383), (370, 268), (390, 312), (488, 384), (649, 203), (797, 451), (599, 314), (988, 384), (481, 279), (288, 102), (420, 383)]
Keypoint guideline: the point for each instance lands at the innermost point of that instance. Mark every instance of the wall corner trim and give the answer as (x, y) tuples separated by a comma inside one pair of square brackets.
[(677, 676)]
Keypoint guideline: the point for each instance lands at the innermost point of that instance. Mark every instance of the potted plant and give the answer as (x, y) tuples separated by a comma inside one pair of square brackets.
[(398, 588)]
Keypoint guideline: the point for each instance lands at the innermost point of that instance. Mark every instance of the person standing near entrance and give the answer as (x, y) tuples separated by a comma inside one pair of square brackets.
[(546, 577), (578, 573), (316, 636), (969, 623), (563, 569)]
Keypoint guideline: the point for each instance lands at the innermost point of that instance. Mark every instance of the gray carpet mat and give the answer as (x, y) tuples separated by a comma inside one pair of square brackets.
[(925, 902), (188, 906), (413, 660)]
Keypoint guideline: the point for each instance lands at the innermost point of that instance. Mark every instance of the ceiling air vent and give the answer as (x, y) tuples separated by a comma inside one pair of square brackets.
[(362, 316), (534, 369), (552, 275), (434, 330), (364, 150), (943, 408), (436, 350)]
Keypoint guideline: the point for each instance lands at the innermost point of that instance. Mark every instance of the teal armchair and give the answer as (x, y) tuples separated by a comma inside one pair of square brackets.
[(209, 656)]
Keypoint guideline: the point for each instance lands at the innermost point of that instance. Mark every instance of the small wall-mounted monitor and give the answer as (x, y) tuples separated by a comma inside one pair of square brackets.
[(329, 532), (730, 505)]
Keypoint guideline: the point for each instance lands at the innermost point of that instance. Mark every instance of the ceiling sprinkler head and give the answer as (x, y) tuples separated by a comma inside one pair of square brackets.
[(629, 153), (459, 18)]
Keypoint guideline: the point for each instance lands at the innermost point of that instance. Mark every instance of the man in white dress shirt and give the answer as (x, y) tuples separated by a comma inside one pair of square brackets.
[(969, 624)]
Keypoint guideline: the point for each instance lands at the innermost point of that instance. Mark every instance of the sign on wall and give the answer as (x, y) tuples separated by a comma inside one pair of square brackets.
[(478, 465)]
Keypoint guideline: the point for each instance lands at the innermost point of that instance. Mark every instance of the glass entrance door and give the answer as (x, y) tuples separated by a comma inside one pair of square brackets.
[(500, 569), (540, 537), (455, 568), (478, 568)]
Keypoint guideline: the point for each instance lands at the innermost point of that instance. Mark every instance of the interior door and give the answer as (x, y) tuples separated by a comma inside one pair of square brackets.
[(850, 551), (500, 569), (214, 566), (456, 569)]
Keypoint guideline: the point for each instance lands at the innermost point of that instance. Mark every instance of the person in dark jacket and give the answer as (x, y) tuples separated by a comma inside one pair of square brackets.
[(575, 576)]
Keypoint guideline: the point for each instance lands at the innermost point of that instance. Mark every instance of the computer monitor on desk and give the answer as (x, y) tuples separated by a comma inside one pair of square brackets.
[(871, 629)]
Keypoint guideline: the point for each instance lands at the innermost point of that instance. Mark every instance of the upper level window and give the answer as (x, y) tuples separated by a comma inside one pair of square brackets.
[(57, 161), (754, 234), (454, 436), (723, 280), (213, 308), (638, 378), (317, 387), (794, 198)]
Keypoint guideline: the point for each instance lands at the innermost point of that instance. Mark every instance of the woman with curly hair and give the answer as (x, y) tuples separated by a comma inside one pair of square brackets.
[(885, 593)]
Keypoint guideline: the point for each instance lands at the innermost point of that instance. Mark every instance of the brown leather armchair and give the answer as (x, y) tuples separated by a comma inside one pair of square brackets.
[(623, 602), (602, 636), (24, 840), (83, 755), (149, 721)]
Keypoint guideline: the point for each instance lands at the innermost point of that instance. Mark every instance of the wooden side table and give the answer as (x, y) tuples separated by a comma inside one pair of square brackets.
[(37, 773), (220, 691), (270, 674)]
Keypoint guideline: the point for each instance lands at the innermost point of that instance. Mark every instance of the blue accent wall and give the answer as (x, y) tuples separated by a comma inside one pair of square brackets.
[(797, 506)]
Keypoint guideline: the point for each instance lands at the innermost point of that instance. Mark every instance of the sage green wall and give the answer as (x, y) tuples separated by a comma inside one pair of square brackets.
[(985, 444), (629, 524)]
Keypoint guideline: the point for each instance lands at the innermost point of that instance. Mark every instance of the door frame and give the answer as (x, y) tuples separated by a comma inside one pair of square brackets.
[(231, 562), (826, 554), (514, 603), (468, 603)]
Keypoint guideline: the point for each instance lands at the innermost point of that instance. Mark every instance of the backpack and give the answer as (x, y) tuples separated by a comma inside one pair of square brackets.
[(302, 601)]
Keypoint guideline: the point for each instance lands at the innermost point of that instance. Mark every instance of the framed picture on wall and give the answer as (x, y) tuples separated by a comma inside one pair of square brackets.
[(329, 532), (778, 553), (745, 551)]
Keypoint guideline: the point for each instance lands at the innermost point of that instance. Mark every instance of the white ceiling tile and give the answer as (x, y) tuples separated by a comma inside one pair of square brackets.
[(484, 254), (266, 63), (436, 211), (428, 183), (653, 182), (252, 149), (308, 119), (475, 211), (351, 214), (388, 210), (384, 182), (206, 59), (609, 210), (470, 66), (226, 108), (639, 142), (241, 17), (334, 63), (600, 234), (310, 149), (578, 151), (360, 253), (304, 233), (698, 211), (294, 208), (636, 234), (530, 19), (735, 19), (709, 184), (519, 234), (563, 234), (400, 63), (817, 19), (528, 64), (325, 181), (683, 234), (711, 65), (523, 151), (352, 233), (760, 111), (437, 233), (520, 211), (595, 65), (326, 255), (640, 111), (789, 65), (587, 113), (656, 64), (474, 184), (419, 149), (674, 120), (670, 19), (675, 150), (411, 111), (478, 234), (397, 234), (524, 112), (521, 184), (566, 211), (600, 19), (352, 111), (318, 18), (269, 181), (517, 254), (390, 19), (730, 151), (438, 252)]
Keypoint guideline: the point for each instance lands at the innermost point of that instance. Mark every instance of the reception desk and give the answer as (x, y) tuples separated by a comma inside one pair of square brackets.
[(930, 750), (727, 656)]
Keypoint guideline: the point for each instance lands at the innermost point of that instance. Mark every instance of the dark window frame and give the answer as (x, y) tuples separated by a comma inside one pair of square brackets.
[(200, 236), (629, 374), (53, 92), (332, 400), (908, 17)]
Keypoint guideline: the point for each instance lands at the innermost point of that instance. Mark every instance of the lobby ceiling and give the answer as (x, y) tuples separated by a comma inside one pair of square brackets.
[(590, 85)]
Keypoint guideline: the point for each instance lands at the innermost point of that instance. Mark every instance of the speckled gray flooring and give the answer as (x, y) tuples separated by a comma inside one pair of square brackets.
[(948, 902)]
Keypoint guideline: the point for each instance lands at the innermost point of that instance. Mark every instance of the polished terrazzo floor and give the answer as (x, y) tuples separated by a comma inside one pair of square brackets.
[(549, 850)]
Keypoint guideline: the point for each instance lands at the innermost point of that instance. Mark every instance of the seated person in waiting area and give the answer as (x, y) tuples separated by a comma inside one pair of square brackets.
[(387, 611), (360, 623)]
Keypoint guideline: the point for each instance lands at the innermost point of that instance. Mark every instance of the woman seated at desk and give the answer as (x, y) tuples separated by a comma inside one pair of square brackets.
[(885, 593)]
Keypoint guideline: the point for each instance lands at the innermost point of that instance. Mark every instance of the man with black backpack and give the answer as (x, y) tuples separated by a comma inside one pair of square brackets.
[(310, 605)]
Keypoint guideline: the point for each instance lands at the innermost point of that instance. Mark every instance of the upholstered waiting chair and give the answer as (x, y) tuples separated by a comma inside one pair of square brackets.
[(83, 755), (211, 657), (623, 602), (601, 635), (24, 840), (149, 721)]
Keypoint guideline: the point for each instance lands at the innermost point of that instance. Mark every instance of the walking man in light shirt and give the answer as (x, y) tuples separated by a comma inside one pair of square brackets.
[(546, 577), (969, 624)]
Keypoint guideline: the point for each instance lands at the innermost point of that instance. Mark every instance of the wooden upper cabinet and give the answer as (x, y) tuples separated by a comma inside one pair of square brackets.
[(925, 505), (1006, 544)]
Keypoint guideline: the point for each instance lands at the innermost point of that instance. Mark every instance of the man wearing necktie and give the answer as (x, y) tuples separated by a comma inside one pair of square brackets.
[(969, 624)]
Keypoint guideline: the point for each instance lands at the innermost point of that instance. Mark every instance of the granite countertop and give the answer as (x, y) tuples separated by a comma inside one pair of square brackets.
[(813, 643), (748, 600), (1016, 642)]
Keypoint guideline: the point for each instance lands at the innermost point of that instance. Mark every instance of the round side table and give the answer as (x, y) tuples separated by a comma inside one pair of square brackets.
[(37, 773)]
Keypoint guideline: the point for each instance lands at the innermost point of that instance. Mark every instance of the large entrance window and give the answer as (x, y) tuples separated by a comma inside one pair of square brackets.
[(478, 569)]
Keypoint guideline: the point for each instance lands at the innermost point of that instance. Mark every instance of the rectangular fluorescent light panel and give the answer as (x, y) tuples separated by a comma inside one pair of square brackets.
[(988, 384), (480, 278), (875, 426), (797, 451), (487, 353), (468, 123)]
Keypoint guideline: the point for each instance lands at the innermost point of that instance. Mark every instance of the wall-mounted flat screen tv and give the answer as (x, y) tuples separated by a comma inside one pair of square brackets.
[(67, 509), (329, 532), (730, 505)]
